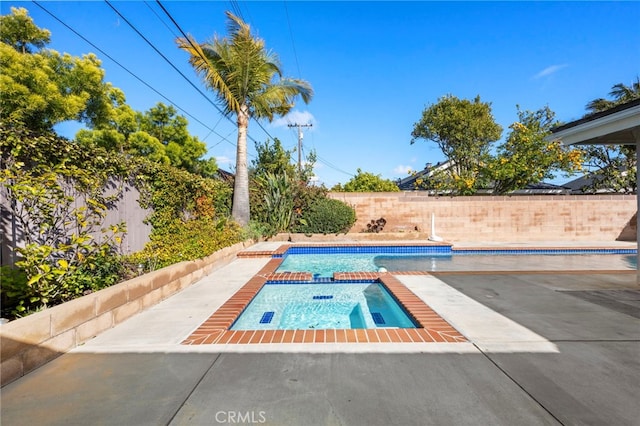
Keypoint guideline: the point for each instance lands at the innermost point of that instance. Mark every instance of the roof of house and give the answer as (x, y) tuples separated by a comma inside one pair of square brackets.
[(616, 126), (595, 116), (225, 175), (409, 183)]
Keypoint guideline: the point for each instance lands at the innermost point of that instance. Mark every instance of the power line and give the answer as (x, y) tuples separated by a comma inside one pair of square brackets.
[(161, 20), (169, 61), (293, 44), (236, 9), (130, 72), (205, 59), (332, 166), (320, 159), (165, 58)]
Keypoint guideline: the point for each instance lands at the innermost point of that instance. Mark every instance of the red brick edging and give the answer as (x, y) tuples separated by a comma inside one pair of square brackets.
[(215, 330)]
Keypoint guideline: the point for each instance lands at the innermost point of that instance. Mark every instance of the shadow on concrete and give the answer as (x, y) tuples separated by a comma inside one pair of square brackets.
[(593, 379), (20, 358), (585, 384), (629, 232)]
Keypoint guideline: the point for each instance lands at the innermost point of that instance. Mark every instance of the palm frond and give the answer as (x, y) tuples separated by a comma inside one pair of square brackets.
[(621, 92), (599, 104), (242, 71), (206, 59), (278, 98)]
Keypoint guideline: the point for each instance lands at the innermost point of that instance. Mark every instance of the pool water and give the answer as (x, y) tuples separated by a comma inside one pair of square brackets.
[(300, 306), (324, 265)]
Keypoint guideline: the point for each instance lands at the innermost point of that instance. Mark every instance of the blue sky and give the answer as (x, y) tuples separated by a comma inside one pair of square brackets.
[(374, 66)]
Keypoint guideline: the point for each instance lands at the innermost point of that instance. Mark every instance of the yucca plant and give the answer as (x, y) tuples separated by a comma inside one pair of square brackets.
[(278, 193)]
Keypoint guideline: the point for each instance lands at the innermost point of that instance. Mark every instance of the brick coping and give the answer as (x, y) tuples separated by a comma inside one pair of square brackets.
[(431, 327)]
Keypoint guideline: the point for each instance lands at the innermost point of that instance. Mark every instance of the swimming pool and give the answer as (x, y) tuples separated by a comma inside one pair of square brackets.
[(324, 261), (225, 327), (304, 305)]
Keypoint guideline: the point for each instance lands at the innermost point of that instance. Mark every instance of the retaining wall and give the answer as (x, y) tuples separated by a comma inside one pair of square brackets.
[(29, 342), (518, 218)]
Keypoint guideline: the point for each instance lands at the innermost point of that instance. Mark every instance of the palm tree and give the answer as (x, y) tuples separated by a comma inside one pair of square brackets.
[(243, 74), (623, 93), (620, 93)]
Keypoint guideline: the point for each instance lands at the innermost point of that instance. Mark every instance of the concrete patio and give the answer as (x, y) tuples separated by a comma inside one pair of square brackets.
[(551, 348)]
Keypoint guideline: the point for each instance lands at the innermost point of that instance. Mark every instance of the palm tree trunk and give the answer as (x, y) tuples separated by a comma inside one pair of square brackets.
[(240, 207)]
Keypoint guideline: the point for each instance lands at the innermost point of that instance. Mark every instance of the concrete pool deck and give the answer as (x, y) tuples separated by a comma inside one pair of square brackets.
[(553, 348)]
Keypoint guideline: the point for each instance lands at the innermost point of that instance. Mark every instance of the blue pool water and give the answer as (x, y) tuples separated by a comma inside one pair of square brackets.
[(298, 306), (325, 264)]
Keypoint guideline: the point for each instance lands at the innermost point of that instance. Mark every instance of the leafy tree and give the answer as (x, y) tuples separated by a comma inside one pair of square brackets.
[(367, 182), (158, 134), (163, 123), (43, 88), (149, 147), (19, 31), (526, 157), (275, 159), (242, 73), (272, 158), (464, 131), (612, 167), (206, 167)]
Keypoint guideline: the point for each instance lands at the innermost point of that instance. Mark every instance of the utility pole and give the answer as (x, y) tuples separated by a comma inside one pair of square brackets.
[(300, 136)]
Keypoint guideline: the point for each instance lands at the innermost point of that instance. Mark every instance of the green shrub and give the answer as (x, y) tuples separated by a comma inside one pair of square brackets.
[(305, 196), (13, 282), (256, 230), (177, 194), (275, 208), (367, 182), (190, 240), (24, 292), (326, 216), (61, 209)]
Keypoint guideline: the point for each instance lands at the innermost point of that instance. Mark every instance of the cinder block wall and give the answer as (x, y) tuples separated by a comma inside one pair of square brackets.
[(500, 218)]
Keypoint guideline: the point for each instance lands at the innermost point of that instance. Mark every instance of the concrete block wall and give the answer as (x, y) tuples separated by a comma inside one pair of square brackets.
[(499, 218), (29, 342)]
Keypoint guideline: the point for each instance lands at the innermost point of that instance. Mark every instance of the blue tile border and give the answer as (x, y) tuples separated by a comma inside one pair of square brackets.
[(447, 250), (365, 250), (324, 280)]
